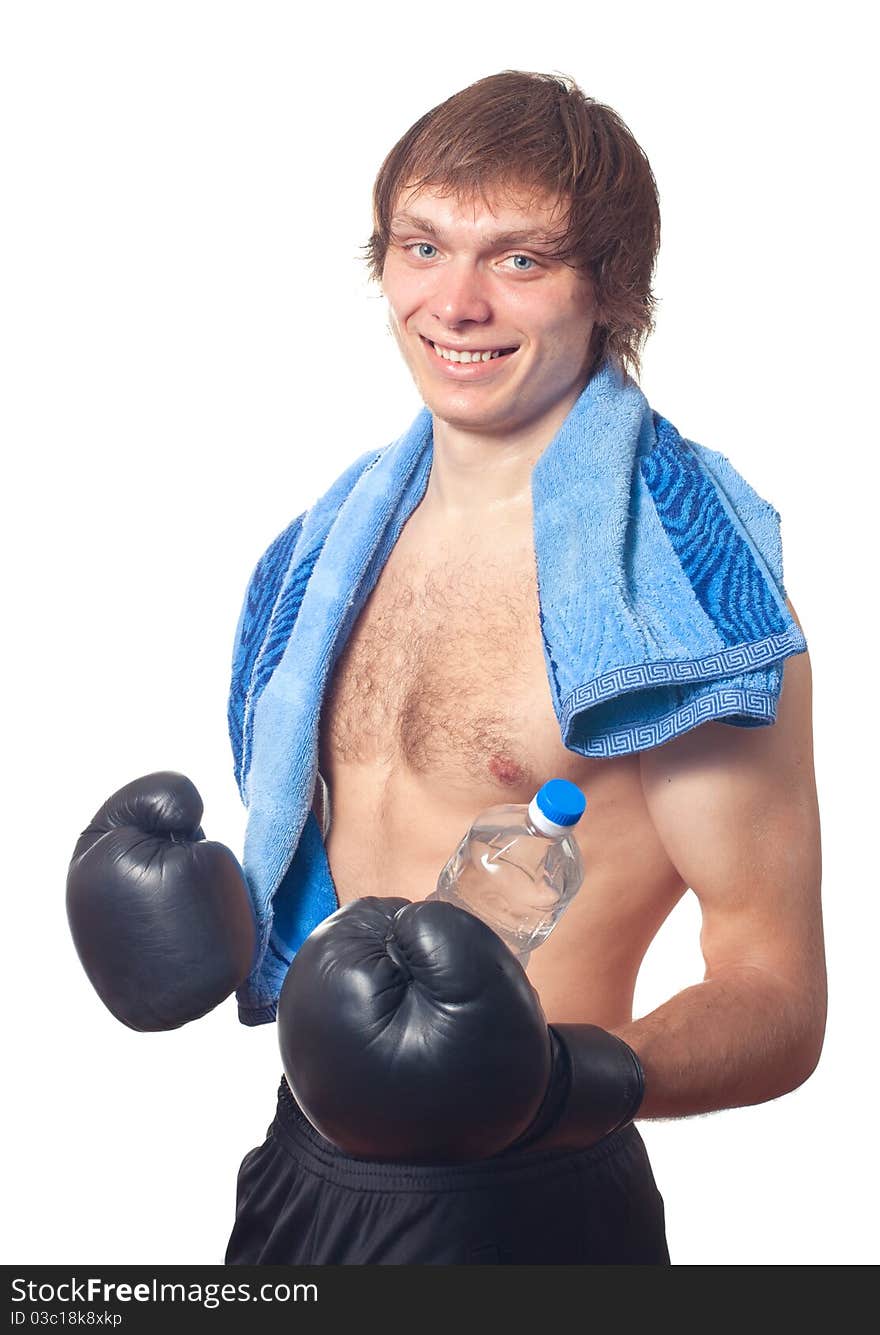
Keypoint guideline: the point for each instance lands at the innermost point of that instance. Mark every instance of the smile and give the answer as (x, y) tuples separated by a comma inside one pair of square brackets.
[(465, 356)]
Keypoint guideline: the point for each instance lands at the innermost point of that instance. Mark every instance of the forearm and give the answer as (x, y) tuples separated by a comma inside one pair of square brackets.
[(736, 1039)]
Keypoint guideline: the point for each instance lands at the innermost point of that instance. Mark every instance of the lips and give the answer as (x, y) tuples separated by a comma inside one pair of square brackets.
[(465, 373)]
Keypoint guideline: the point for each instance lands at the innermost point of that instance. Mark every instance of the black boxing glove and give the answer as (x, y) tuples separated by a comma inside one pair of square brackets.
[(409, 1031), (597, 1086), (161, 917)]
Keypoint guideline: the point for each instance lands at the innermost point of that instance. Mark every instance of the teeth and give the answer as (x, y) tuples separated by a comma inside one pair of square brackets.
[(451, 355)]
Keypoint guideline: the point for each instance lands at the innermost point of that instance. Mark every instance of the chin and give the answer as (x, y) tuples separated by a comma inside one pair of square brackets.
[(467, 418), (450, 405)]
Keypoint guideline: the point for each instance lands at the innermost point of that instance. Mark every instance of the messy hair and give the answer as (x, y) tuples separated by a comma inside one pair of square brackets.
[(517, 132)]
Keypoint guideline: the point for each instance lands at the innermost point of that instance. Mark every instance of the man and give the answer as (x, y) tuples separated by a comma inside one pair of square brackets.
[(516, 229)]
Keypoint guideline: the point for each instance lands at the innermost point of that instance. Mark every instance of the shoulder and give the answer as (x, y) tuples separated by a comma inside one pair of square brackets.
[(772, 756), (736, 807)]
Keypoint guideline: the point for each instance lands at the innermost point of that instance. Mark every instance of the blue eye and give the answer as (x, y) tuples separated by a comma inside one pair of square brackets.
[(527, 259), (419, 246)]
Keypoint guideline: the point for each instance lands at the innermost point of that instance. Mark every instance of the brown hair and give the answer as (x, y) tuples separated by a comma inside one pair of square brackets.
[(518, 130)]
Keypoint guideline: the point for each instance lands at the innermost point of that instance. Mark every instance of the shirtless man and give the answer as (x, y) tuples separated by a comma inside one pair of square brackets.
[(440, 701)]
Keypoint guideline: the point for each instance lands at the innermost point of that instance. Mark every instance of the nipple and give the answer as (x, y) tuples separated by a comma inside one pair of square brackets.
[(506, 771)]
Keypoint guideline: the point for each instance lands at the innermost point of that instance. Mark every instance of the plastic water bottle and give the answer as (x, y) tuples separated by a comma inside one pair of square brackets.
[(518, 867)]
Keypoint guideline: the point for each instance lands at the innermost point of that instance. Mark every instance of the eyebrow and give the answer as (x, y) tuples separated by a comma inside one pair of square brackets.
[(526, 237)]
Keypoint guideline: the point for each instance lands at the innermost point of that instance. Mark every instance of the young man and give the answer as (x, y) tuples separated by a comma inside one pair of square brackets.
[(516, 230)]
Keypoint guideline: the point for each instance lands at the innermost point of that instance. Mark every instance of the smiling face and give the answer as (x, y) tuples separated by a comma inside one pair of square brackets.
[(495, 331)]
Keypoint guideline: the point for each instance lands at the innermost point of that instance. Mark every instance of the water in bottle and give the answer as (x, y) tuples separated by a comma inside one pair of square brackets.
[(518, 867)]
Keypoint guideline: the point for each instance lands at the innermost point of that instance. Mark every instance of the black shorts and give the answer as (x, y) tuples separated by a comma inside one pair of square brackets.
[(300, 1201)]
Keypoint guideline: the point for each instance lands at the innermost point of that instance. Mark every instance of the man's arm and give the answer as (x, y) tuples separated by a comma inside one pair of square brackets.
[(736, 810)]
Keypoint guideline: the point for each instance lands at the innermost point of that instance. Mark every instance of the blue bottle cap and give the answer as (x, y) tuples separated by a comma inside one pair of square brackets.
[(561, 802)]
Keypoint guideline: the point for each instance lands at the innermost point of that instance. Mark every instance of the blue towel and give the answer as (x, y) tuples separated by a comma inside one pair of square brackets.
[(661, 599)]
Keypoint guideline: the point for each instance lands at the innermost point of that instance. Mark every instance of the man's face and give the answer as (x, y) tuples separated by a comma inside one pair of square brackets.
[(475, 278)]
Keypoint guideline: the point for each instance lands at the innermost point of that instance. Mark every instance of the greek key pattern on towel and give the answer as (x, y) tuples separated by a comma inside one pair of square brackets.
[(639, 676), (750, 708)]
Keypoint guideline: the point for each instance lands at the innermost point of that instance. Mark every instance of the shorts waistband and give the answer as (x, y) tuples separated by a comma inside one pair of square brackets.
[(313, 1151)]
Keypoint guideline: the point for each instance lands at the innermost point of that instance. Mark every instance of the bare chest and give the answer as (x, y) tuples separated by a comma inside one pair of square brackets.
[(444, 674), (440, 702)]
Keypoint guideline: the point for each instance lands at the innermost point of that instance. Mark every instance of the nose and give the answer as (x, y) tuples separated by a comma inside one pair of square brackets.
[(460, 296)]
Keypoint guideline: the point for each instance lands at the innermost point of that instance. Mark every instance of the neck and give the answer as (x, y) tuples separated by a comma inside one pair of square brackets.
[(477, 475)]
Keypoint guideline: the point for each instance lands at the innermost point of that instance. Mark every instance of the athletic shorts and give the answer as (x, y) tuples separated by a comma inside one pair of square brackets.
[(301, 1201)]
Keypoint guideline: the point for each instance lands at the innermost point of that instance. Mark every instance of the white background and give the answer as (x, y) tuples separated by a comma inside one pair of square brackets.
[(191, 353)]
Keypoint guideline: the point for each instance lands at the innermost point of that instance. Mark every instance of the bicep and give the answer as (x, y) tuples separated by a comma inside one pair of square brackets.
[(737, 811)]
